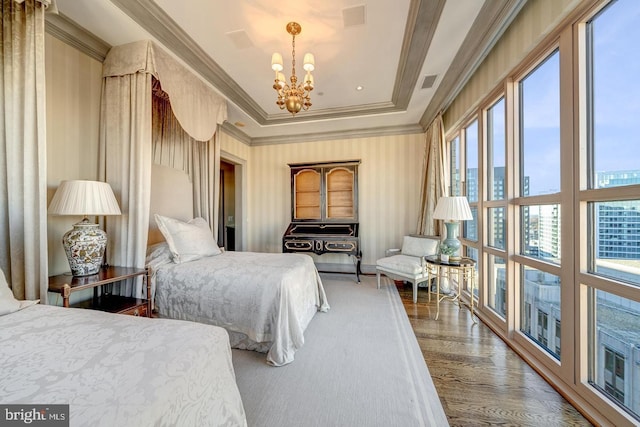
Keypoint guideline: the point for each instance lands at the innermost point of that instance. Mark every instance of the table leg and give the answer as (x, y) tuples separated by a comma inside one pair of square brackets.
[(438, 273), (66, 291)]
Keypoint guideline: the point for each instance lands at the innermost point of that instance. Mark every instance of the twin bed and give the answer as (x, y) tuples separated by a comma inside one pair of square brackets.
[(117, 370), (264, 300)]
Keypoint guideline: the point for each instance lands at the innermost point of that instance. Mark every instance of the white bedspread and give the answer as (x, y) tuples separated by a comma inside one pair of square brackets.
[(270, 298), (117, 370)]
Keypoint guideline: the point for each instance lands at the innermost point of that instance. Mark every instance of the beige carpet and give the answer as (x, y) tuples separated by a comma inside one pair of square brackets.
[(360, 366)]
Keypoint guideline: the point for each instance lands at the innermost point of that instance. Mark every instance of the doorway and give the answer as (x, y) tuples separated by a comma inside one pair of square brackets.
[(227, 212), (232, 219)]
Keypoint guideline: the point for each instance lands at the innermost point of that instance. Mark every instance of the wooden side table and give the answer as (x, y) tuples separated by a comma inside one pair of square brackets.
[(66, 284), (465, 270)]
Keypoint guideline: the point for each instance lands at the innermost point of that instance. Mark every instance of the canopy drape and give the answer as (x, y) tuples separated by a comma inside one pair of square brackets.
[(23, 156), (126, 141), (434, 178), (174, 147)]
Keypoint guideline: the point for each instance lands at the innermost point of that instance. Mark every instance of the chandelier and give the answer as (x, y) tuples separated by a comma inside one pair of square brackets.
[(294, 96)]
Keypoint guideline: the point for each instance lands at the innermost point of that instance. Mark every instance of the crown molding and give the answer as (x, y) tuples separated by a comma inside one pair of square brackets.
[(422, 22), (233, 131), (67, 31), (336, 135), (492, 21)]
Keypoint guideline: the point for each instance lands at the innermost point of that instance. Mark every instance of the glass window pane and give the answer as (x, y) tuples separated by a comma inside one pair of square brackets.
[(614, 46), (471, 141), (470, 227), (541, 308), (615, 229), (541, 232), (454, 167), (497, 275), (615, 339), (540, 129), (496, 151), (495, 225)]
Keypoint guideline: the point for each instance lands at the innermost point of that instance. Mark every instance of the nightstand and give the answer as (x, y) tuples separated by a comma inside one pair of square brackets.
[(66, 284)]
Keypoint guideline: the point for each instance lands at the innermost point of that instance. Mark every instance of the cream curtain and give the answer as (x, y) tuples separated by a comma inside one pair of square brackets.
[(434, 178), (125, 163), (126, 141), (23, 157)]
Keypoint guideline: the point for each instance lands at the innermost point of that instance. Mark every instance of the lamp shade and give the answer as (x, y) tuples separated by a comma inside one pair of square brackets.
[(276, 62), (84, 198), (453, 208), (309, 62)]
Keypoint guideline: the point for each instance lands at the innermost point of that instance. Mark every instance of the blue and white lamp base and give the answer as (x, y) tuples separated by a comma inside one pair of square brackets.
[(84, 246)]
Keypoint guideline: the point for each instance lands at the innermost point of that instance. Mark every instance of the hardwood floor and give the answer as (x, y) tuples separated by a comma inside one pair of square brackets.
[(479, 379)]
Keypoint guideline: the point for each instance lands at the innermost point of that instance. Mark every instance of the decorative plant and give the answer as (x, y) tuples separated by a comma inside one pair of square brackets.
[(447, 250)]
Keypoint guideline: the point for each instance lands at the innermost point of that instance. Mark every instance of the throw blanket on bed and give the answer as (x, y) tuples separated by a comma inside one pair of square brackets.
[(268, 297), (117, 370)]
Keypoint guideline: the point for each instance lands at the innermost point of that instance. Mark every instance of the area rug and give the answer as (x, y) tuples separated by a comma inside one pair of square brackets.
[(360, 366)]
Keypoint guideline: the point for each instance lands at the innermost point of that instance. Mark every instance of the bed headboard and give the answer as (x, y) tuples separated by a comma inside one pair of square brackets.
[(171, 195)]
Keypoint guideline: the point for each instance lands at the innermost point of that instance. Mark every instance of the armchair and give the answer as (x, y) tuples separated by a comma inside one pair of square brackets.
[(409, 264)]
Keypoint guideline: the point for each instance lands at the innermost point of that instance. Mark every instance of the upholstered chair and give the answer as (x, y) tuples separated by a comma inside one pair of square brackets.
[(409, 264)]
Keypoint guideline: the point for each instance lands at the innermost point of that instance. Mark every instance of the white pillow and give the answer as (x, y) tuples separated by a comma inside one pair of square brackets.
[(188, 241), (8, 303)]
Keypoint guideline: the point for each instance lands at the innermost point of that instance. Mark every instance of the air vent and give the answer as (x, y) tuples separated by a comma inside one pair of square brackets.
[(353, 16), (240, 39), (429, 81)]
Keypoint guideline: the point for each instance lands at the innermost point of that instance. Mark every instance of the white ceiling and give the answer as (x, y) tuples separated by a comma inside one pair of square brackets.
[(389, 55)]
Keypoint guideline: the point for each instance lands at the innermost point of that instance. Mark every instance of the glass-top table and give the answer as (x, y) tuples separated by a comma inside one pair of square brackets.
[(464, 269)]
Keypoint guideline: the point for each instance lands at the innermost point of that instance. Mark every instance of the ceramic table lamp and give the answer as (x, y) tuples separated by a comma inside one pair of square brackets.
[(86, 242)]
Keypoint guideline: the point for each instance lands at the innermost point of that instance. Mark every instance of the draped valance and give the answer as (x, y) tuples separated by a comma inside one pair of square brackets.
[(197, 106)]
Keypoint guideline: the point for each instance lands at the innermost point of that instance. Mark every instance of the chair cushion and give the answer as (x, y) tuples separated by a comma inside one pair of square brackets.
[(419, 246), (404, 264)]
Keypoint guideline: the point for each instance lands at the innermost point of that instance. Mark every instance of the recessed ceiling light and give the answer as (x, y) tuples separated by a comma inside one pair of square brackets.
[(359, 87)]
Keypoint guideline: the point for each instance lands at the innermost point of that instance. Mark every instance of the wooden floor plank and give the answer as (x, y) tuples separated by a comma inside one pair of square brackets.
[(479, 379)]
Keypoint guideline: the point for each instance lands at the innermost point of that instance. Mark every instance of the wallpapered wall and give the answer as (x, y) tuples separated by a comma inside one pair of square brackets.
[(73, 112), (389, 189), (389, 173)]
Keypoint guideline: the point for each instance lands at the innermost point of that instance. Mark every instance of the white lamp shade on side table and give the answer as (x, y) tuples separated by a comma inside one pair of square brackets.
[(86, 242), (452, 209)]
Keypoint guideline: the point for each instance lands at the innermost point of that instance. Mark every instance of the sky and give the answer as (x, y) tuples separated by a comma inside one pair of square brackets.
[(616, 68)]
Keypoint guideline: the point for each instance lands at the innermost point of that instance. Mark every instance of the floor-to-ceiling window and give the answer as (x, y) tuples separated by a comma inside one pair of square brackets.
[(612, 202), (496, 206), (539, 191), (554, 187)]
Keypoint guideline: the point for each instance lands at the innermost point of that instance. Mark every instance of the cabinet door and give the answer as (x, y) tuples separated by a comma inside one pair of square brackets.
[(340, 183), (306, 194)]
